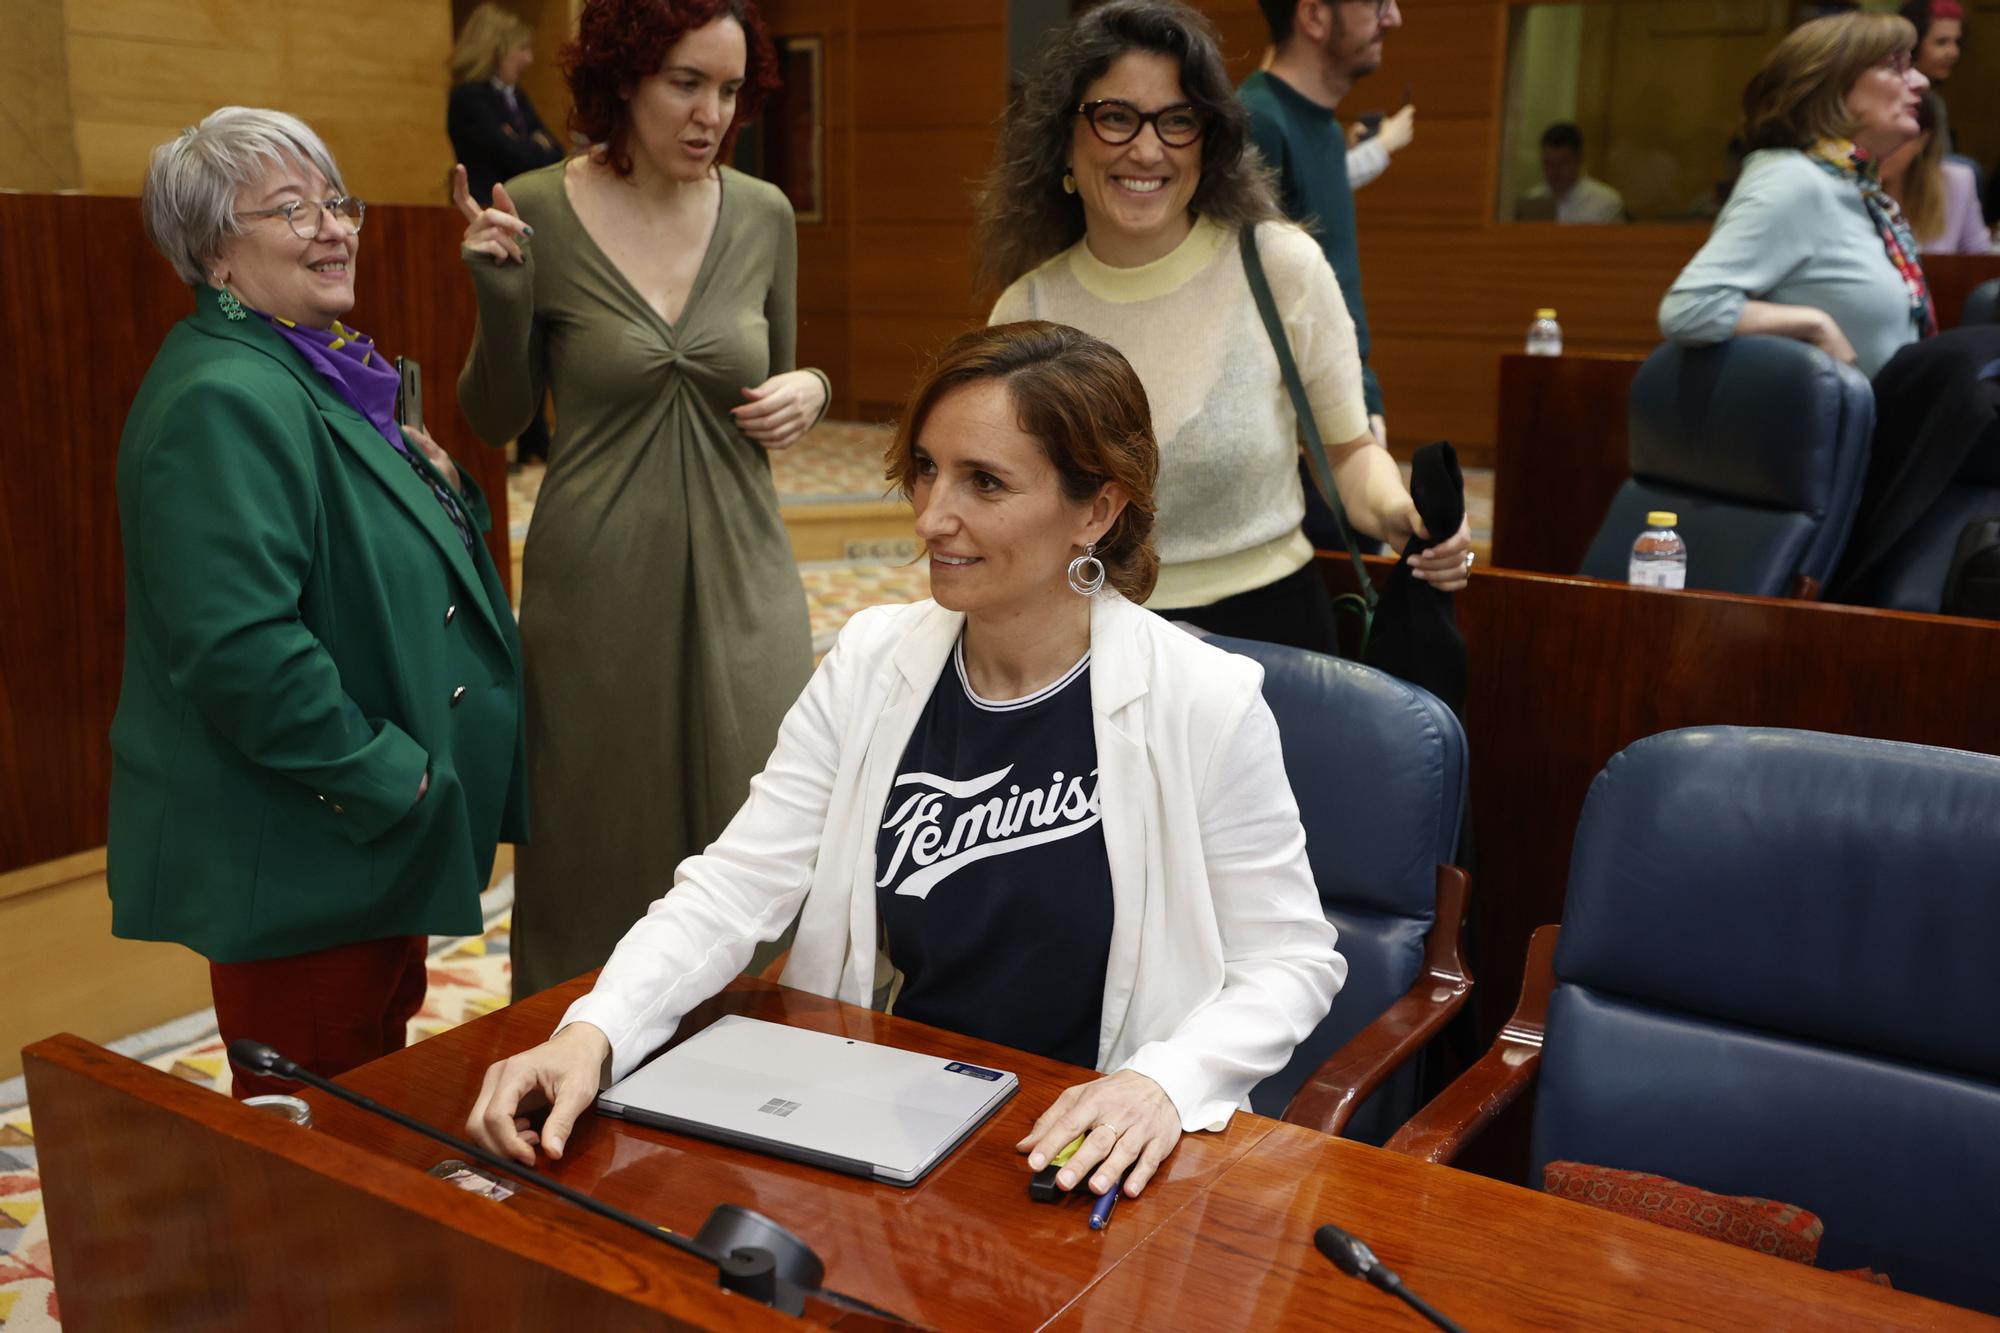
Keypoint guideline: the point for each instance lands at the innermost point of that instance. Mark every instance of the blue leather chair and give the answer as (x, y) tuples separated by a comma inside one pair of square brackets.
[(1982, 304), (1775, 978), (1759, 445), (1378, 767)]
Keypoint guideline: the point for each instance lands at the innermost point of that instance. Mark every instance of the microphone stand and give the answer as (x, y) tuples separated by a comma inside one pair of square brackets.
[(747, 1270), (1355, 1259)]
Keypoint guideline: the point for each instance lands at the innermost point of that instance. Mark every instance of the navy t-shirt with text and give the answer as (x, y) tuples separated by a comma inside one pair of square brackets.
[(991, 878)]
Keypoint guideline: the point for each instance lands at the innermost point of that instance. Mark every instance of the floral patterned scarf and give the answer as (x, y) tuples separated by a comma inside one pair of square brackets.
[(1840, 157)]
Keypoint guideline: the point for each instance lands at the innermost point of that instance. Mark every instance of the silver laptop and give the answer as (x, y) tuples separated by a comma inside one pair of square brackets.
[(834, 1102)]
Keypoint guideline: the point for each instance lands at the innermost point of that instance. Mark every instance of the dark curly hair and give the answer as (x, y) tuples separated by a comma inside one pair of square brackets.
[(620, 42), (1024, 216), (1081, 399)]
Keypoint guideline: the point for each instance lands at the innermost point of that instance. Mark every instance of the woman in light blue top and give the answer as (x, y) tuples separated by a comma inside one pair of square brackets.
[(1810, 246)]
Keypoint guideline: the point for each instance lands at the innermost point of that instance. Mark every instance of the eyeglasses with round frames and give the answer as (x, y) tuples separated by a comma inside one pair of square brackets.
[(307, 216), (1899, 63), (1117, 122)]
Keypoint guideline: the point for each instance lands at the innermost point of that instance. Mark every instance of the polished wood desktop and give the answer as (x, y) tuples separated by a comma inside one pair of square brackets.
[(1221, 1240)]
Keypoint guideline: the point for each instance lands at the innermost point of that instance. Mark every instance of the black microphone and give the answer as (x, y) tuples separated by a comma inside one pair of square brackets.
[(752, 1255), (1355, 1259)]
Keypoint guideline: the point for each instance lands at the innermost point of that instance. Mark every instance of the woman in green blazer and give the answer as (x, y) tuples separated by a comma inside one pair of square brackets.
[(319, 740)]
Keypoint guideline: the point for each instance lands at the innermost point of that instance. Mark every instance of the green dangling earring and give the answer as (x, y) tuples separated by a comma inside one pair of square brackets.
[(232, 309)]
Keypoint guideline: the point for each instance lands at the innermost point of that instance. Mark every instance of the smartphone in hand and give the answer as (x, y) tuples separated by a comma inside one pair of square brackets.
[(410, 395)]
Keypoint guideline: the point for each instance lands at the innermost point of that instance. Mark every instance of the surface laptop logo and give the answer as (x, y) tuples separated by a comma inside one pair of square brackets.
[(778, 1106), (1012, 822)]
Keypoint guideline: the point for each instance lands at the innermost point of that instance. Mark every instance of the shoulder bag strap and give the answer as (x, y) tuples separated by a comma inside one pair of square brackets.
[(1267, 307)]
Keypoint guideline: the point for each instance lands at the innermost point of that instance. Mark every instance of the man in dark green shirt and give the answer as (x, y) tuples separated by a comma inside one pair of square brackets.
[(1323, 47)]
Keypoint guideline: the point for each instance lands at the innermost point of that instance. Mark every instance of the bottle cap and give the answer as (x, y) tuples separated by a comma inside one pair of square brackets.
[(1661, 518), (1545, 313)]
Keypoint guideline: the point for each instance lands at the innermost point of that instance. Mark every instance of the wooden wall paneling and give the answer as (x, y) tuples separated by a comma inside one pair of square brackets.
[(1566, 672), (374, 87), (928, 94), (1952, 278), (919, 175), (1561, 456), (1426, 192), (930, 78), (873, 16), (889, 353), (1487, 284), (1446, 385), (37, 132), (914, 268)]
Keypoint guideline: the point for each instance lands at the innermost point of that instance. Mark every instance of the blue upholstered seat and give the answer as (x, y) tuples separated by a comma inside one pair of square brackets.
[(1775, 977), (1378, 767), (1759, 445)]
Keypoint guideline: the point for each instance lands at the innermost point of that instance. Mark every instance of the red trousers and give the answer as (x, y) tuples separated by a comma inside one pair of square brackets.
[(330, 1010)]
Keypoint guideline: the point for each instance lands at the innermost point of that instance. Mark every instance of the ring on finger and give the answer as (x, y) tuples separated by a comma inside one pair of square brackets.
[(1115, 1131)]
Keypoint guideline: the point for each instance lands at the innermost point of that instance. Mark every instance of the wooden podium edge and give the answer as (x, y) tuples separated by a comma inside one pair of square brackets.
[(127, 1151)]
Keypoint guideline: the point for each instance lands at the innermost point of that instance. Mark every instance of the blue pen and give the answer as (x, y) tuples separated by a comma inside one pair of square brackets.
[(1100, 1212)]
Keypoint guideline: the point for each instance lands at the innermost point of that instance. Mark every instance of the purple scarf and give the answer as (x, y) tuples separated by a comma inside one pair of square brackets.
[(369, 383), (348, 361)]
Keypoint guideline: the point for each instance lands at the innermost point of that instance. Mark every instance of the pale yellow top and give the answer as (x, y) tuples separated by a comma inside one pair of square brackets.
[(1229, 497)]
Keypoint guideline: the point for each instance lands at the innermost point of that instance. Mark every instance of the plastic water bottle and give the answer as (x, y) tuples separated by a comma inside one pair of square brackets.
[(1545, 336), (1659, 557)]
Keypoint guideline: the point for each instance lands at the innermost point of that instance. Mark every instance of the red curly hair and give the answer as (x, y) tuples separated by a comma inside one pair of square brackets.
[(620, 42)]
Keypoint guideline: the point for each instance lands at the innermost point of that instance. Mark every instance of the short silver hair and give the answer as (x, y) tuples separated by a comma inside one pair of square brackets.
[(188, 202)]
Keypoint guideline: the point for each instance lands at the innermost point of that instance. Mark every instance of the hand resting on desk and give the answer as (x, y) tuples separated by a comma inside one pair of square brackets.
[(563, 1074), (1131, 1123)]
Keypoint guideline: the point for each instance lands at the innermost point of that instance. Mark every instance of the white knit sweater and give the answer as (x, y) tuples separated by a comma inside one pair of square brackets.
[(1229, 495)]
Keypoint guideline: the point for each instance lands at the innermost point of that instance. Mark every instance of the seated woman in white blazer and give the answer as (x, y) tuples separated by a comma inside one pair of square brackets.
[(1068, 820)]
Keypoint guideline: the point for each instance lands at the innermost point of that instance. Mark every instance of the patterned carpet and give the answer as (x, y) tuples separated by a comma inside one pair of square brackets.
[(835, 462)]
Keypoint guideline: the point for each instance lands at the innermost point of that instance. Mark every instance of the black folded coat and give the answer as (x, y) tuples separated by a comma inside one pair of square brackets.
[(1416, 629)]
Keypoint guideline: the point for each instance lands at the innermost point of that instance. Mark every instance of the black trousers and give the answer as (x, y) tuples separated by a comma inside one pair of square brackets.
[(1297, 610)]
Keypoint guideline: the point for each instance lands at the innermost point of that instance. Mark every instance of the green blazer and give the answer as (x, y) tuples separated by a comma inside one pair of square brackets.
[(305, 637)]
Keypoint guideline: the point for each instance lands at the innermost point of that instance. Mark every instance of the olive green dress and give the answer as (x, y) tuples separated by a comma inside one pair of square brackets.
[(663, 622)]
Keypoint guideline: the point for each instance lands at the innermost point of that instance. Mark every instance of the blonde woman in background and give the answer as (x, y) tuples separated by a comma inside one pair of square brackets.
[(493, 126), (1939, 196), (496, 135)]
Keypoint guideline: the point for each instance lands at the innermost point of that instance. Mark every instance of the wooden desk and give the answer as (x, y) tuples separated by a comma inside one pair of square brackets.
[(963, 1248), (1222, 1238), (1486, 1254)]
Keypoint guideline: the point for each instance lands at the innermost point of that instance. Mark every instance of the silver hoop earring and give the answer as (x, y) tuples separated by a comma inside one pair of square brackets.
[(1082, 583)]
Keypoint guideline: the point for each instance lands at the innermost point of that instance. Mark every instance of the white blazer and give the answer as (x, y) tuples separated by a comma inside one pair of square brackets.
[(1221, 960)]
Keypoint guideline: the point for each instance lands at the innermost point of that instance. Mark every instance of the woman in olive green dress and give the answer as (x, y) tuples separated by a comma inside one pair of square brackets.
[(652, 291)]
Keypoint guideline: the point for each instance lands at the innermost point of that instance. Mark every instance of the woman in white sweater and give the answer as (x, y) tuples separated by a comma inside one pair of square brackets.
[(1116, 203), (1067, 820)]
